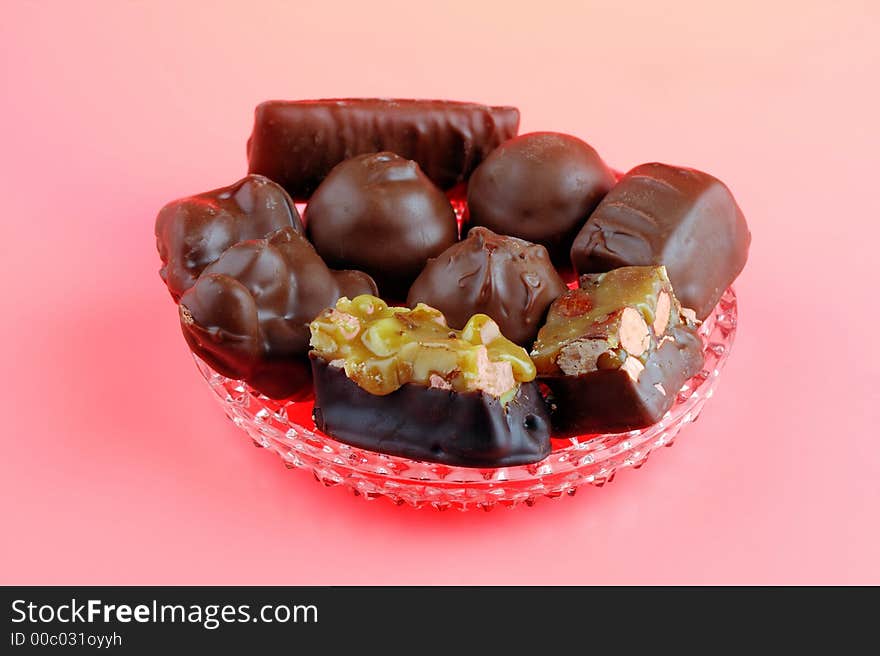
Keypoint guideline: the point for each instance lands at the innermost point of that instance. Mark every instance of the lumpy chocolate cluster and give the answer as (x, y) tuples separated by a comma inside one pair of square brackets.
[(450, 341)]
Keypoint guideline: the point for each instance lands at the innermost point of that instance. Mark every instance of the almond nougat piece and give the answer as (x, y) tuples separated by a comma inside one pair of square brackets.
[(615, 352)]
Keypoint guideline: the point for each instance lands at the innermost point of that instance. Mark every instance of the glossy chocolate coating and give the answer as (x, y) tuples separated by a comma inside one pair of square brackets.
[(193, 232), (379, 213), (297, 143), (609, 401), (471, 429), (681, 218), (540, 187), (511, 280), (248, 313)]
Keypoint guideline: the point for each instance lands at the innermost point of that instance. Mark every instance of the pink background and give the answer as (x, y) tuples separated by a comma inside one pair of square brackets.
[(119, 467)]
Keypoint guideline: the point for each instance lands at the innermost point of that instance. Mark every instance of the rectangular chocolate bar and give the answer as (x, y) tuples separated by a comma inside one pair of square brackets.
[(681, 218), (297, 143)]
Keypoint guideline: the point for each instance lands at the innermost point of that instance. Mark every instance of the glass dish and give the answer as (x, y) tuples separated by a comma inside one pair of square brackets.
[(286, 427)]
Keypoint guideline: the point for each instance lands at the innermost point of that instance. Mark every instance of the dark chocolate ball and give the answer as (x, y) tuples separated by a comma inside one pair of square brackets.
[(379, 213), (540, 187), (511, 280)]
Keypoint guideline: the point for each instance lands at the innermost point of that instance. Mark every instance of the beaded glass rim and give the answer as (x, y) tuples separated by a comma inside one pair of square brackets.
[(589, 459)]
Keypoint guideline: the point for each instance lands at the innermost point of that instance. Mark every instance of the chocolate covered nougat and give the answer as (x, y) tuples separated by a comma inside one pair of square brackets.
[(400, 381), (616, 351)]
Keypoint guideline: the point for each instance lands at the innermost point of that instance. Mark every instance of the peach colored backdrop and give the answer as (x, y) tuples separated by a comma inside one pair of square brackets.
[(119, 467)]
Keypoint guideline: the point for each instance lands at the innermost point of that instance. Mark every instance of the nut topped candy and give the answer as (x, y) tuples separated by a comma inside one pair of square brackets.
[(509, 279), (540, 187), (383, 348), (248, 314), (193, 232), (402, 382), (379, 213), (665, 215), (616, 351)]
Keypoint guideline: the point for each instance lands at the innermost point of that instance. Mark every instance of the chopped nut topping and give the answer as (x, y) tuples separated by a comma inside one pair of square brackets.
[(661, 316), (496, 378), (384, 347), (634, 334), (633, 367), (348, 324), (489, 332), (439, 382), (574, 305), (631, 313)]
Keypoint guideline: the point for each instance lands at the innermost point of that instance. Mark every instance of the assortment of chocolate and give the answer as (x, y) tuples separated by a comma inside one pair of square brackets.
[(416, 341)]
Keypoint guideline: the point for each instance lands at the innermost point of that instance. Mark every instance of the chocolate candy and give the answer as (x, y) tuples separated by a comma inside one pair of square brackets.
[(511, 280), (540, 187), (248, 313), (681, 218), (297, 143), (467, 429), (615, 352), (379, 213), (192, 232), (384, 347), (401, 382)]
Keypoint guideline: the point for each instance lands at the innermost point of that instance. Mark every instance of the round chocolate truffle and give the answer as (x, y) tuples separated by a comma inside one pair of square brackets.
[(379, 213), (540, 187), (511, 280)]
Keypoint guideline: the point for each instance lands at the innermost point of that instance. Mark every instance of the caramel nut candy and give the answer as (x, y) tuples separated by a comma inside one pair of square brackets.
[(402, 382), (615, 352)]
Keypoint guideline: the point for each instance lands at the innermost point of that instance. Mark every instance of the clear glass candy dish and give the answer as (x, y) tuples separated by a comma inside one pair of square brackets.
[(286, 427)]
